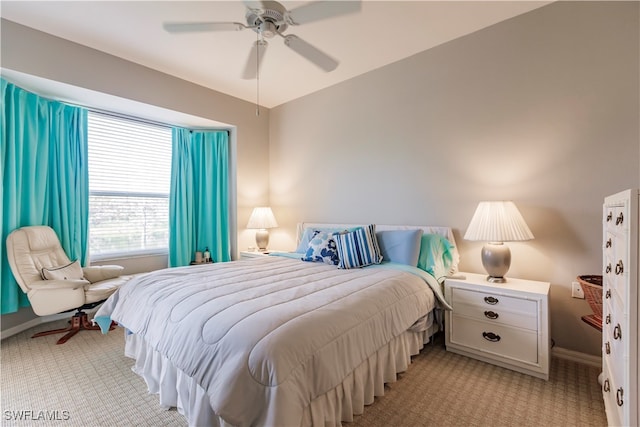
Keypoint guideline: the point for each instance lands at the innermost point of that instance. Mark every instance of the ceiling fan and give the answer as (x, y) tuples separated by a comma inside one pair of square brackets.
[(270, 18)]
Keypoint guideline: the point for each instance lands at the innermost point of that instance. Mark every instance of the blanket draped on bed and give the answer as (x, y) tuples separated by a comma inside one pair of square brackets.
[(265, 337)]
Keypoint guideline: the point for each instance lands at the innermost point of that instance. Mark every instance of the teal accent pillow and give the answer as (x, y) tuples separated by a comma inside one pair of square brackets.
[(358, 248), (435, 255), (321, 248), (401, 246)]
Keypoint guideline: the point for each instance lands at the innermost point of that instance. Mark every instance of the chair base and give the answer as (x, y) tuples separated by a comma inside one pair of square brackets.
[(78, 322)]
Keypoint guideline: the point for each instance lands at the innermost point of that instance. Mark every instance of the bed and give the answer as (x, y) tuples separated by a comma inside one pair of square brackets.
[(276, 341)]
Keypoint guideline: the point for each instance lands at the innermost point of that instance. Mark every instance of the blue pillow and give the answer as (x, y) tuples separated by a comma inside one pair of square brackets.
[(435, 256), (401, 246), (358, 248), (321, 248), (308, 233)]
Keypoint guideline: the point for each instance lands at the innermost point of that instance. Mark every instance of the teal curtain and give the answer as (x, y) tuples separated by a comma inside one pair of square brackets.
[(43, 167), (199, 197)]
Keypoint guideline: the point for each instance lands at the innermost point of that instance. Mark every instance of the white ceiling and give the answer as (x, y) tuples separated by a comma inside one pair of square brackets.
[(381, 33)]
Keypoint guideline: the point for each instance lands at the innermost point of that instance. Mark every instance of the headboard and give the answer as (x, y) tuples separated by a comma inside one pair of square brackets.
[(427, 229)]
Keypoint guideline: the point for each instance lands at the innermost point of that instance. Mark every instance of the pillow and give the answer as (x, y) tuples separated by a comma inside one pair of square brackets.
[(98, 273), (71, 271), (321, 248), (358, 248), (436, 255), (308, 233), (401, 246)]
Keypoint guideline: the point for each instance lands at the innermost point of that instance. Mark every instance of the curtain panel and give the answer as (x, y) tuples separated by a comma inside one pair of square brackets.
[(45, 181), (199, 196)]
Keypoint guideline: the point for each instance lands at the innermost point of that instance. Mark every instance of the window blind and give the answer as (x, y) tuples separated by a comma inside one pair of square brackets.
[(129, 180)]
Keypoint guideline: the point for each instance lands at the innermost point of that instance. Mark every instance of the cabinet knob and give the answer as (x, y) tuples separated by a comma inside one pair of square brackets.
[(620, 219), (490, 336), (608, 244), (609, 217), (619, 267), (619, 394), (617, 332), (491, 314), (607, 319), (607, 348), (606, 385), (607, 294), (491, 300), (608, 268)]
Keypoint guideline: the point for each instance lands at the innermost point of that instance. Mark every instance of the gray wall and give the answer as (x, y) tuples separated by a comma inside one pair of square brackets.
[(541, 109)]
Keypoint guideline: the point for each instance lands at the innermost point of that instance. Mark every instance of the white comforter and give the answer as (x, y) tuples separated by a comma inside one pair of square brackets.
[(265, 337)]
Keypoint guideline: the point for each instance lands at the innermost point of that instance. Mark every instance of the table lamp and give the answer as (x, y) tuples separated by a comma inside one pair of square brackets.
[(262, 219), (496, 223)]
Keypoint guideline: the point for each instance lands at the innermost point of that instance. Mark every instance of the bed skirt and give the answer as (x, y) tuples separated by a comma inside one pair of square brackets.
[(177, 390)]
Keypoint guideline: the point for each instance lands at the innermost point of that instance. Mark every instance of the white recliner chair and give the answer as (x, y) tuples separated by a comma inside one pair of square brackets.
[(53, 283)]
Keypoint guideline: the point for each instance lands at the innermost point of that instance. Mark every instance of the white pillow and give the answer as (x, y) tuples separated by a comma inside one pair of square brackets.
[(98, 273), (71, 271)]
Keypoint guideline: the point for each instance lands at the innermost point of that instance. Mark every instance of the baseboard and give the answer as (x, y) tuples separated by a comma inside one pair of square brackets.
[(38, 321), (576, 356)]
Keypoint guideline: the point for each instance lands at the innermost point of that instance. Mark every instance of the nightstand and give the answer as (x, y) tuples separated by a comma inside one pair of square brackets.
[(254, 254), (506, 324)]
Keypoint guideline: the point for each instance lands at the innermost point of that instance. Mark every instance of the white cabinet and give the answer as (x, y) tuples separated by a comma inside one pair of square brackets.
[(620, 308), (506, 324)]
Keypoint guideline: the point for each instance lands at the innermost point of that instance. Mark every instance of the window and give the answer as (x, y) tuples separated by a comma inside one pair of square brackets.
[(129, 179)]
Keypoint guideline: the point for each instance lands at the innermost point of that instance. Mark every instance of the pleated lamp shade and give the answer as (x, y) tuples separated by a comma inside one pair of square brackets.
[(498, 222), (495, 223), (262, 218)]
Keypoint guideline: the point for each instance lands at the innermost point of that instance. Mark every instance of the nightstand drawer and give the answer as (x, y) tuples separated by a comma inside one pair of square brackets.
[(504, 341), (503, 315), (488, 301)]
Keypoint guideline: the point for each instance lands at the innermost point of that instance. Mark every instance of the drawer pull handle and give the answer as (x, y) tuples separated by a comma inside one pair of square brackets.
[(609, 217), (619, 267), (491, 314), (490, 336), (617, 332), (607, 348), (620, 219), (619, 394), (606, 386), (608, 269), (607, 319), (608, 244), (607, 294), (491, 300)]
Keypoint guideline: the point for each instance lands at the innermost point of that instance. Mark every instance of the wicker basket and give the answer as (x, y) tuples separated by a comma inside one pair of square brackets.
[(592, 288)]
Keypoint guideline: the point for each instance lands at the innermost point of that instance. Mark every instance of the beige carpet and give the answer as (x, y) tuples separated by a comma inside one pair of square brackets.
[(88, 382)]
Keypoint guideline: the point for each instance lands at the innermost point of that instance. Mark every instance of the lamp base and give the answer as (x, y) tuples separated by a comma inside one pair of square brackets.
[(262, 239), (496, 259)]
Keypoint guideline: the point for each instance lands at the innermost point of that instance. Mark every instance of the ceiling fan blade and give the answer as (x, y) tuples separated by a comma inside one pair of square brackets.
[(317, 10), (194, 27), (254, 60), (255, 4), (310, 52)]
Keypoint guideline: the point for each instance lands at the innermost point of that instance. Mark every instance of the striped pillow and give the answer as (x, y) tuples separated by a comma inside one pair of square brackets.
[(358, 248)]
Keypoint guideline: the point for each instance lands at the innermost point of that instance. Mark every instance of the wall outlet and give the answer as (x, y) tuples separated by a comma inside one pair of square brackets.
[(576, 290)]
